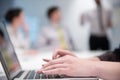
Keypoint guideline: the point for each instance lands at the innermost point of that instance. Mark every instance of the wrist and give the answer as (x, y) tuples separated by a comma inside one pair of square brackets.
[(91, 68), (94, 69)]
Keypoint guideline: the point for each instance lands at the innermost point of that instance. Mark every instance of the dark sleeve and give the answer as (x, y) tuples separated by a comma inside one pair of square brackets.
[(111, 56)]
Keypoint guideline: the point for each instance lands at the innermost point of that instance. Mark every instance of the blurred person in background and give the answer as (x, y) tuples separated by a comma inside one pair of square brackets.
[(100, 21), (55, 35), (16, 19)]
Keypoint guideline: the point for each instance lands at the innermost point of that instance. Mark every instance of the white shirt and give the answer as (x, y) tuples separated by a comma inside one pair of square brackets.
[(49, 39), (93, 18), (17, 39)]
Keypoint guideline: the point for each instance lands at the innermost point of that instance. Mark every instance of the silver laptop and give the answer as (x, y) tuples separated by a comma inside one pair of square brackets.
[(12, 66)]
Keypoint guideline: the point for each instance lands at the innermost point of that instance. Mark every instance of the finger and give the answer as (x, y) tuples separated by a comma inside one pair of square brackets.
[(43, 65), (46, 60), (56, 61), (60, 53), (39, 71), (55, 71), (55, 66)]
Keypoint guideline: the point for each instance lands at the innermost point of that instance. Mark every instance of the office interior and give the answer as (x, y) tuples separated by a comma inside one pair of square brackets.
[(71, 10)]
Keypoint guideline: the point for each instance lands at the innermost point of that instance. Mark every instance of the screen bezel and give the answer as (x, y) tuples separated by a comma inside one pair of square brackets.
[(4, 66), (3, 61)]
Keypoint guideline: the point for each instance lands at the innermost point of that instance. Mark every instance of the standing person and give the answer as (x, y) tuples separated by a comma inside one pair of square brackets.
[(100, 20), (54, 35), (15, 18)]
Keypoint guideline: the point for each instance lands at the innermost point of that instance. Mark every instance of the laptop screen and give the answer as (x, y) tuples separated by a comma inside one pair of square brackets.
[(8, 52)]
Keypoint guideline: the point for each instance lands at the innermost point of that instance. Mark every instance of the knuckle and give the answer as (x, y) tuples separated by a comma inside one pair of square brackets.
[(60, 70), (50, 62), (67, 57), (67, 71), (53, 67), (66, 65), (57, 51)]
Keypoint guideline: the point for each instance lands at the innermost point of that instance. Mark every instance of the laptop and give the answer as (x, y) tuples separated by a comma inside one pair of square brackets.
[(13, 68)]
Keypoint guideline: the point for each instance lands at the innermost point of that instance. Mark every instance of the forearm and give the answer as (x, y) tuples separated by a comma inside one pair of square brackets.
[(107, 70)]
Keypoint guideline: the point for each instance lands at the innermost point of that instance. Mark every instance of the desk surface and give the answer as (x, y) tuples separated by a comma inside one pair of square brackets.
[(34, 61)]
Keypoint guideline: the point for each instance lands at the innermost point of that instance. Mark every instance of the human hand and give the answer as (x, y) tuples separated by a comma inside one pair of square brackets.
[(58, 54), (61, 53), (69, 66)]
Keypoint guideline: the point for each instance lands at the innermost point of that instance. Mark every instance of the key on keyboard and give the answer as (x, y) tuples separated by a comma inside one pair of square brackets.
[(37, 76), (34, 75), (3, 78), (31, 75), (27, 75)]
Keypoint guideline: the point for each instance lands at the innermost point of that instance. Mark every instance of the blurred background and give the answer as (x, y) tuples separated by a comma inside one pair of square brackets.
[(71, 13), (39, 27)]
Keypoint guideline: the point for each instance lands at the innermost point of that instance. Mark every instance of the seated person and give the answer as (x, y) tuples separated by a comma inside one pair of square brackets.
[(106, 66), (15, 19), (54, 35)]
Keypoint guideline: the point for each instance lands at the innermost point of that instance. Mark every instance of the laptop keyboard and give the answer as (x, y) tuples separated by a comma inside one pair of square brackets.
[(3, 78), (34, 75)]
